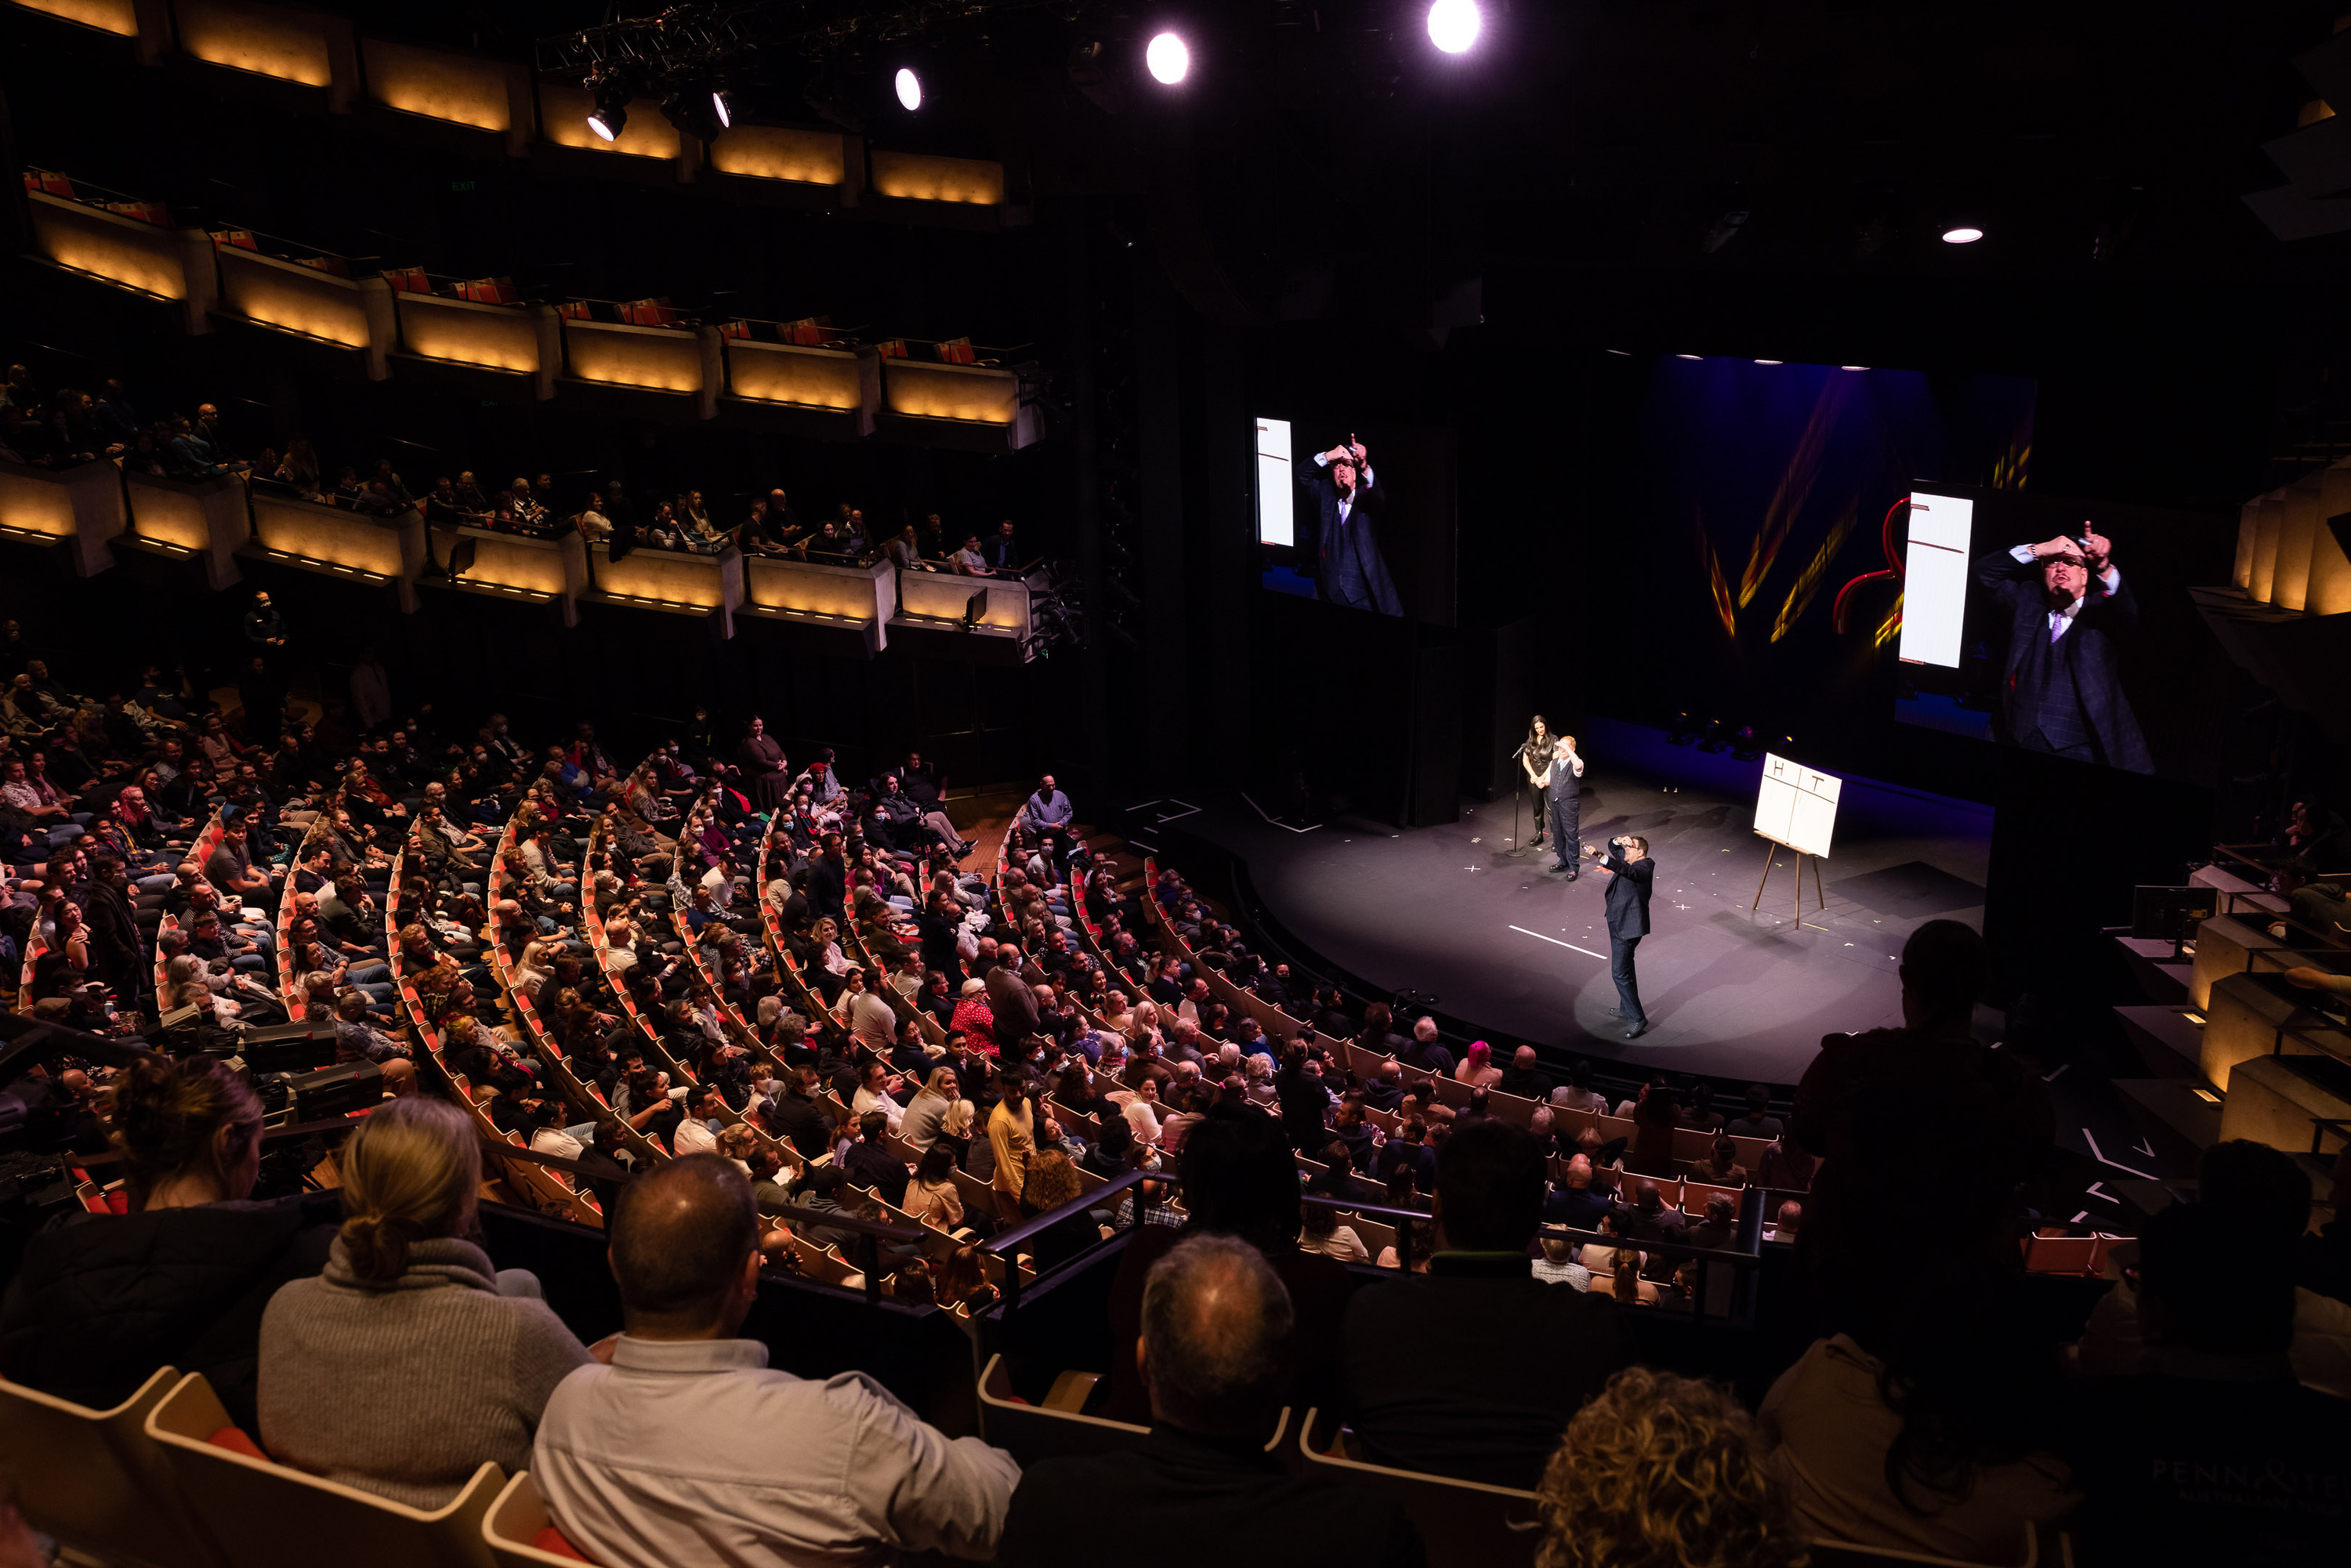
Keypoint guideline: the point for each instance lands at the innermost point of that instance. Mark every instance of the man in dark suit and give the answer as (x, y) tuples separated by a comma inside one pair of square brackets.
[(1216, 1324), (1492, 1419), (2064, 605), (1348, 567), (1630, 872)]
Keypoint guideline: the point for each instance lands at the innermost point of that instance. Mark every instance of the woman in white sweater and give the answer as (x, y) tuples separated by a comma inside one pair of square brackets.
[(408, 1362)]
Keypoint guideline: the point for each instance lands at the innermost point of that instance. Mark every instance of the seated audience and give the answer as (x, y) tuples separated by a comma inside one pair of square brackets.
[(1216, 1329), (1490, 1418), (687, 1447), (408, 1327)]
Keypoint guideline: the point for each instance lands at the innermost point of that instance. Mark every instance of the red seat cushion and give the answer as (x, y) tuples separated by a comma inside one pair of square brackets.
[(550, 1540), (234, 1439)]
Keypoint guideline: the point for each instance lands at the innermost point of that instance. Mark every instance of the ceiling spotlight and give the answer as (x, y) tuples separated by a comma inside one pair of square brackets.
[(1964, 234), (1767, 361), (909, 89), (1452, 24), (721, 107), (1168, 59), (1622, 353), (610, 115), (695, 110), (1852, 367), (1689, 356)]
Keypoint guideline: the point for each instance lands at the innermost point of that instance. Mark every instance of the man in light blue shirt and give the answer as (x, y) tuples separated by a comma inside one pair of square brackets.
[(1048, 808)]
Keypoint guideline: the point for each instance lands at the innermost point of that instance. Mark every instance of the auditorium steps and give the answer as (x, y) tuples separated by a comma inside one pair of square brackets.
[(2169, 1039), (2164, 979)]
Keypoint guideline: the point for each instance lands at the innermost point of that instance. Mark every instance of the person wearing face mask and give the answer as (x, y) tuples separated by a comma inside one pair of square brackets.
[(2068, 611)]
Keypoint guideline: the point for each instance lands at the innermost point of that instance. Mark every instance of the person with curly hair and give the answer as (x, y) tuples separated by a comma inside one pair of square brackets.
[(1661, 1472)]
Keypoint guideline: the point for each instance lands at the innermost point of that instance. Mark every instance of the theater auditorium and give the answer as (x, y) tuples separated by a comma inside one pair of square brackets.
[(1138, 783)]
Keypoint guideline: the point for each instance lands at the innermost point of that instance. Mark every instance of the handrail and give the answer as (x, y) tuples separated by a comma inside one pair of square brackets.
[(1003, 1242)]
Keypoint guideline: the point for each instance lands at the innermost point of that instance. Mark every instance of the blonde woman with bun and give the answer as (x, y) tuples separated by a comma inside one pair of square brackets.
[(405, 1365)]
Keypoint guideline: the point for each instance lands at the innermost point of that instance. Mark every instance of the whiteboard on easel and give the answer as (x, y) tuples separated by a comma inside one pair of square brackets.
[(1796, 806)]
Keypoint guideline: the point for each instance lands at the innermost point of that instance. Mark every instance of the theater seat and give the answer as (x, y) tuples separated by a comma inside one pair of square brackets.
[(1464, 1525), (519, 1531), (265, 1515), (1847, 1554), (97, 1481)]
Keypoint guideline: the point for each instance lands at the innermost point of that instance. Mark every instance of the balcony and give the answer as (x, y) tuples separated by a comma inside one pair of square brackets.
[(205, 520), (338, 542), (171, 267), (78, 510), (856, 600), (352, 316)]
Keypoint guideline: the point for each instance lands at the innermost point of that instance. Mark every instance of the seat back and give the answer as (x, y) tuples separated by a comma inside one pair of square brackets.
[(94, 1480), (2059, 1254), (265, 1515), (1033, 1432), (1464, 1525), (513, 1527), (1847, 1554)]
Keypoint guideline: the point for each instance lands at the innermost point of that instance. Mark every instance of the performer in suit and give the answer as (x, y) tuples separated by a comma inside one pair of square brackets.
[(2061, 686), (1348, 566), (1630, 872), (1560, 779)]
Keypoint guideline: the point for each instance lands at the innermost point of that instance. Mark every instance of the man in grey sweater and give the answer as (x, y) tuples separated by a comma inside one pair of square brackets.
[(689, 1449)]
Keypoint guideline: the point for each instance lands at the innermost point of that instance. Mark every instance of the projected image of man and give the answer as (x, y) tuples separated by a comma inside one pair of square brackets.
[(2064, 608), (1349, 569)]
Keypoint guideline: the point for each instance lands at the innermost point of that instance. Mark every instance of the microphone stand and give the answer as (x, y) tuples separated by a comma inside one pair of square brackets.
[(1518, 797)]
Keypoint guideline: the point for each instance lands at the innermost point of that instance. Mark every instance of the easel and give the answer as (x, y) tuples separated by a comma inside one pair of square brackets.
[(1774, 853)]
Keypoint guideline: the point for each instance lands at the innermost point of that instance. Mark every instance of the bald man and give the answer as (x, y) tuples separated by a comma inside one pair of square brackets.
[(1213, 1354)]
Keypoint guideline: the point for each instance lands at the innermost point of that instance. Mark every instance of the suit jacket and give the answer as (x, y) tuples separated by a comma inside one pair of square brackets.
[(1181, 1496), (2088, 649), (1348, 566), (1628, 894), (1487, 1418), (1012, 1004)]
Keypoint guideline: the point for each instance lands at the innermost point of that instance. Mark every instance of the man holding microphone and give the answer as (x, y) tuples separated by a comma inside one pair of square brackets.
[(1564, 803), (1630, 870)]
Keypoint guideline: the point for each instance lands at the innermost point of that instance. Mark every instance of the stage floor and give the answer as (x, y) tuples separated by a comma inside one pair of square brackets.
[(1729, 990)]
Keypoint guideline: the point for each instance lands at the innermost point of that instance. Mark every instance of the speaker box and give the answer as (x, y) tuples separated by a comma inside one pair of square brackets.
[(333, 1091), (289, 1047)]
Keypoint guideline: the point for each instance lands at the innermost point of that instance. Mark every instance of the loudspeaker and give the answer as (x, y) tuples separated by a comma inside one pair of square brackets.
[(333, 1091), (289, 1047)]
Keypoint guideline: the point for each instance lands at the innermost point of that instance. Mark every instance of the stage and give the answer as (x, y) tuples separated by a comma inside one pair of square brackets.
[(1452, 911)]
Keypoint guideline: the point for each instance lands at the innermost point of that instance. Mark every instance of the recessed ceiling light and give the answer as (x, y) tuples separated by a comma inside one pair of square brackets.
[(1964, 234)]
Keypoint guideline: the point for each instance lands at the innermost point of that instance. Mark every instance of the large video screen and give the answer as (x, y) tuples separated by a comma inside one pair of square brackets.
[(1355, 514), (2061, 627)]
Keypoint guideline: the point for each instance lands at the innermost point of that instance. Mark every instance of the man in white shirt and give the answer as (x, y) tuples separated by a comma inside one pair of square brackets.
[(1566, 807), (693, 1134), (687, 1449)]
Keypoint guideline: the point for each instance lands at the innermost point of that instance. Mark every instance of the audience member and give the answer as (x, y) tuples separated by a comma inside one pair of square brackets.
[(1661, 1472), (670, 1452), (443, 1360), (1490, 1418), (1213, 1354), (182, 1280)]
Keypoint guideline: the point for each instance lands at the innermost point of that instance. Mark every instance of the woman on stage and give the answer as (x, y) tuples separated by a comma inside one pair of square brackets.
[(1535, 758)]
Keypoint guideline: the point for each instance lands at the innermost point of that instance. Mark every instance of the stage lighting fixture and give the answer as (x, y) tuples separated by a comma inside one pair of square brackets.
[(1767, 361), (909, 89), (1748, 750), (1452, 24), (1168, 60), (720, 107), (694, 109), (1852, 367), (610, 116), (1965, 234), (1689, 356)]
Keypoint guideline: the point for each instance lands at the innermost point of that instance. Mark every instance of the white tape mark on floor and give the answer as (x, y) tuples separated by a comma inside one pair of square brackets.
[(1557, 942)]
